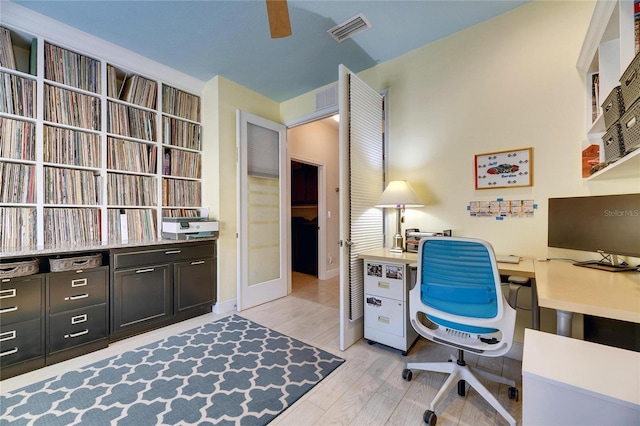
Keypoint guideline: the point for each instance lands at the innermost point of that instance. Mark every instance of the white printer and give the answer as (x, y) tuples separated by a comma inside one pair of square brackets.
[(186, 228)]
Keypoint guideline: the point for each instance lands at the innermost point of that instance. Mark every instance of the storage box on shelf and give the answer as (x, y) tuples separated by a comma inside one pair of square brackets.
[(608, 49), (613, 107), (612, 142)]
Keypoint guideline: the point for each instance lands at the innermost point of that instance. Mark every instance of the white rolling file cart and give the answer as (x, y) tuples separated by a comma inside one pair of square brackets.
[(386, 305)]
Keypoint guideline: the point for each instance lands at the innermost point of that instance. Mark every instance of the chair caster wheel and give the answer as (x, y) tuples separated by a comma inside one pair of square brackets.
[(407, 374), (461, 387), (513, 393), (430, 418)]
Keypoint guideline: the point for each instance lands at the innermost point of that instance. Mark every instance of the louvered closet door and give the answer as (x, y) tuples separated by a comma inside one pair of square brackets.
[(361, 184)]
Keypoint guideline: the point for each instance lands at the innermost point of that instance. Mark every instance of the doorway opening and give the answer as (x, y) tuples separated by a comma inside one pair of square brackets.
[(304, 218), (314, 180)]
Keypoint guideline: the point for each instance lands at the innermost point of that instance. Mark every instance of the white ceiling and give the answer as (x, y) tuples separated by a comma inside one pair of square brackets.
[(206, 38)]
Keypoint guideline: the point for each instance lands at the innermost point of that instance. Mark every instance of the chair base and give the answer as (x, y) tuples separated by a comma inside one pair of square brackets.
[(460, 371)]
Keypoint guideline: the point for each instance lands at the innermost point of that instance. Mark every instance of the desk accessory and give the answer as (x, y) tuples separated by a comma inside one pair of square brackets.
[(399, 195)]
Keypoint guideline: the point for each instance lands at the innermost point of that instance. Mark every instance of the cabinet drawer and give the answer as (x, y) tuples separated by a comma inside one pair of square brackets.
[(172, 253), (385, 279), (20, 299), (77, 327), (21, 341), (384, 314), (71, 290)]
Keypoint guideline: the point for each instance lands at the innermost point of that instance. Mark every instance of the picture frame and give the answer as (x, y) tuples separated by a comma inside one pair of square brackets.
[(504, 169)]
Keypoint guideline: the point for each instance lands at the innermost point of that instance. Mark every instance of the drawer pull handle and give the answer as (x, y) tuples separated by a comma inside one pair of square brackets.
[(79, 319), (173, 252), (7, 310), (5, 294), (78, 334), (382, 284), (383, 319), (77, 297), (9, 352), (142, 271), (7, 335), (198, 262), (79, 282)]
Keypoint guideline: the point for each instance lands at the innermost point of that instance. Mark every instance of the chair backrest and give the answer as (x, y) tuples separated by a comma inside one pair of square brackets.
[(459, 289)]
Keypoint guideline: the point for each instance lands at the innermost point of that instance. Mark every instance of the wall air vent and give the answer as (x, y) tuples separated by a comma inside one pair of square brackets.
[(349, 28)]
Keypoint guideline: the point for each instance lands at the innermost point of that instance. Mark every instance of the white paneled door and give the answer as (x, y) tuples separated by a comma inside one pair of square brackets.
[(262, 195), (361, 184)]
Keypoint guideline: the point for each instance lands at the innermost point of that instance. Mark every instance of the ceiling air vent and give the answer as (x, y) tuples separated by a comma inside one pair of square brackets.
[(349, 28)]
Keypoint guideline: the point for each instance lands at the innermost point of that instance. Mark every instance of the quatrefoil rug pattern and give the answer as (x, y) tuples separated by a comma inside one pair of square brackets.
[(231, 371)]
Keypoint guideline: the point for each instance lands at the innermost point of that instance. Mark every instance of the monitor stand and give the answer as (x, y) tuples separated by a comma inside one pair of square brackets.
[(596, 264)]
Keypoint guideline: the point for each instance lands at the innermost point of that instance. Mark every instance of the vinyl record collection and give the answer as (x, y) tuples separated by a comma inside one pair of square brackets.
[(78, 167), (131, 156), (75, 148), (70, 186), (69, 68), (16, 94), (16, 139)]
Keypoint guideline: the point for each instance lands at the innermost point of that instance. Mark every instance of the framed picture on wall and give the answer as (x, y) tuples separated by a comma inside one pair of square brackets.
[(504, 169)]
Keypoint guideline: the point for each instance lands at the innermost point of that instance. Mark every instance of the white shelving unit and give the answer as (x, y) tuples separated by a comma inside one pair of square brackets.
[(138, 191), (608, 49)]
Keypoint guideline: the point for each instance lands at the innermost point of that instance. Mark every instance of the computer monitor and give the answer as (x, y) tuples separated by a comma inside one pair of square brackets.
[(606, 224)]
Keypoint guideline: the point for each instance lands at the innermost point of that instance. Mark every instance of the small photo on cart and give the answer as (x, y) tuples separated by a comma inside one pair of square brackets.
[(374, 270), (394, 272)]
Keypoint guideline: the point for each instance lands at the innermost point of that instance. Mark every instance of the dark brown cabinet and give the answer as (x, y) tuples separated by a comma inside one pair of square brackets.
[(304, 184), (77, 320), (21, 324), (155, 286), (50, 317)]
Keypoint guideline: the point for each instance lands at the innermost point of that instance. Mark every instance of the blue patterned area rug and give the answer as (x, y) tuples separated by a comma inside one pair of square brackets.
[(231, 371)]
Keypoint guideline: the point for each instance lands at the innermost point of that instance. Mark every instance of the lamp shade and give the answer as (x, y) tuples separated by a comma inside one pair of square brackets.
[(399, 194)]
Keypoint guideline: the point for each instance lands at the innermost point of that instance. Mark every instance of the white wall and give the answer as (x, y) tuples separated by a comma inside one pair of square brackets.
[(317, 143), (221, 99), (507, 83)]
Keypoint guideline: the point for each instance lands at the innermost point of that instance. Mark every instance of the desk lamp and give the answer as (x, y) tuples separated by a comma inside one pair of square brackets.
[(399, 195)]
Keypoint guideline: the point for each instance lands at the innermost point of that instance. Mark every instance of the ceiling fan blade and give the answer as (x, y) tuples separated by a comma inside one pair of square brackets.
[(278, 18)]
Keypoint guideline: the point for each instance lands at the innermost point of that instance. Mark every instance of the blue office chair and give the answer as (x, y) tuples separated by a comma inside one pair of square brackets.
[(457, 301)]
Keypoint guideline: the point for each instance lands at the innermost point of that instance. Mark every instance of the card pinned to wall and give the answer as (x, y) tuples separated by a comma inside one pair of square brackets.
[(501, 208)]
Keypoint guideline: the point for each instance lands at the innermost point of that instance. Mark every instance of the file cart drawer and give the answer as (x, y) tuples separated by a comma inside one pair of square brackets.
[(384, 314), (20, 299), (20, 342), (384, 279), (77, 327), (71, 290)]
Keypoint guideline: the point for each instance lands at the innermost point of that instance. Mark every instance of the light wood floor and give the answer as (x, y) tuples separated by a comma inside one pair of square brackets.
[(366, 390)]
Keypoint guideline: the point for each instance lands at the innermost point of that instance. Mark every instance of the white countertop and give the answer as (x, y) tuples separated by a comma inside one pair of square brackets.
[(61, 249)]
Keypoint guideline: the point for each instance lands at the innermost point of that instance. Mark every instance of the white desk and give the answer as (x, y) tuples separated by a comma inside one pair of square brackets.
[(573, 382), (573, 289)]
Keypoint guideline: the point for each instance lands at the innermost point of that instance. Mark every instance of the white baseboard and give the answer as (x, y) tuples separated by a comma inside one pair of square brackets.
[(225, 307), (332, 273)]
